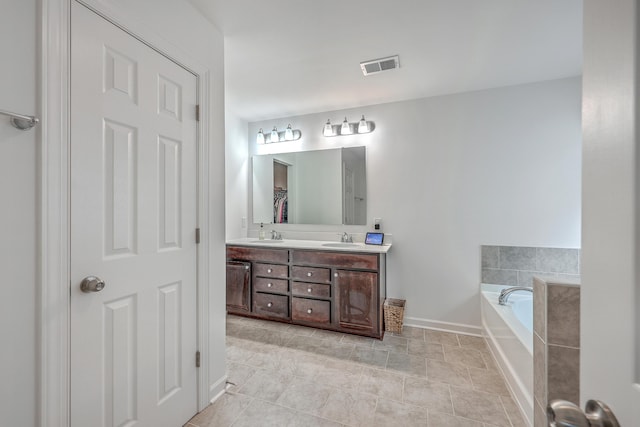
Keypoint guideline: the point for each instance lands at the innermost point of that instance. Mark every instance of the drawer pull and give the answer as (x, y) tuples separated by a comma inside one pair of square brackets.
[(309, 274), (246, 267), (269, 285), (335, 274), (268, 270), (309, 311), (269, 304), (309, 290)]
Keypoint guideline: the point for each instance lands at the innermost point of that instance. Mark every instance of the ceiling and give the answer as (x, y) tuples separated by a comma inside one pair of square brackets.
[(293, 57)]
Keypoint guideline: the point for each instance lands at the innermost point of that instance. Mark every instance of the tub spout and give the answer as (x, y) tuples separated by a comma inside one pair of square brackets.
[(504, 295)]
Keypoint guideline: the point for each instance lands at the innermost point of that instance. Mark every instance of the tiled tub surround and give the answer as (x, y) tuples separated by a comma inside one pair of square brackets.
[(517, 265), (508, 330), (288, 375), (556, 344)]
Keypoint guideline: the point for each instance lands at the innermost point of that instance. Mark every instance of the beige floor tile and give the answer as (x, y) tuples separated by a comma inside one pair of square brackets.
[(490, 361), (437, 419), (238, 374), (479, 406), (339, 373), (470, 341), (358, 341), (439, 337), (489, 381), (390, 413), (300, 330), (266, 385), (464, 356), (369, 357), (391, 343), (431, 395), (350, 408), (223, 412), (238, 350), (426, 349), (513, 412), (384, 384), (411, 332), (327, 335), (449, 373), (304, 395), (266, 414), (407, 364)]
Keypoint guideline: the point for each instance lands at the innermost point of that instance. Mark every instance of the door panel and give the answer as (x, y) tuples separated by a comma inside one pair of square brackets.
[(133, 221)]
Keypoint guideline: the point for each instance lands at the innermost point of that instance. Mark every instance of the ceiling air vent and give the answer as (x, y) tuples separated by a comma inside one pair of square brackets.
[(379, 65)]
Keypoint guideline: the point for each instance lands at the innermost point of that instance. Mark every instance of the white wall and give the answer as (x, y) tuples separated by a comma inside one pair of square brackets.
[(237, 167), (448, 174), (18, 215)]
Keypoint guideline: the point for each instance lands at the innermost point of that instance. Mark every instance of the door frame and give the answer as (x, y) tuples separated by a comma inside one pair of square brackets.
[(54, 305)]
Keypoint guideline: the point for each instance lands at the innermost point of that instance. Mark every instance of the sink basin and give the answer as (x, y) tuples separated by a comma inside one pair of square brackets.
[(267, 241), (342, 245)]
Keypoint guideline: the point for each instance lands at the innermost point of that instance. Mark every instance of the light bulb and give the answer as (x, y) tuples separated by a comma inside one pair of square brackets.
[(274, 135), (288, 133), (260, 137), (345, 129), (328, 129), (363, 126)]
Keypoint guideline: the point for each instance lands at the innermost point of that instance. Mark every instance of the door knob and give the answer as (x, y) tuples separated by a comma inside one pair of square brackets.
[(562, 413), (92, 284)]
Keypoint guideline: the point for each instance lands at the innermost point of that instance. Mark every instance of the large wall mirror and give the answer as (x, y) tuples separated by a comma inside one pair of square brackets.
[(311, 187)]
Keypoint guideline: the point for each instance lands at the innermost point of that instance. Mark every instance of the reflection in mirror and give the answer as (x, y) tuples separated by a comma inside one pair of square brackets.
[(311, 187)]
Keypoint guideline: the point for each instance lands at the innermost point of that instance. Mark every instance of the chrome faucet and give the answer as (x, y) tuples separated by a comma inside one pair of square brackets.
[(346, 238), (276, 235), (504, 295)]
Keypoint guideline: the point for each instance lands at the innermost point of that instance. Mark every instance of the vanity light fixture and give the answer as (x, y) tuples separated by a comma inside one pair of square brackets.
[(289, 134), (260, 137), (328, 129), (274, 135), (363, 126), (346, 128)]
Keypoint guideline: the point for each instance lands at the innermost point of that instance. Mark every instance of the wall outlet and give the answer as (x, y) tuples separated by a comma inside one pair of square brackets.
[(377, 223)]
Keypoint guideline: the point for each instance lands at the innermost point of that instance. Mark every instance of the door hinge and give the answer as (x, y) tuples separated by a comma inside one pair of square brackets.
[(197, 359), (197, 113), (197, 236)]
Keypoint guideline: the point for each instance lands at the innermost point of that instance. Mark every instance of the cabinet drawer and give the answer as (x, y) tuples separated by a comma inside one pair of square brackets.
[(257, 254), (264, 284), (311, 274), (271, 270), (271, 305), (335, 259), (311, 289), (310, 310)]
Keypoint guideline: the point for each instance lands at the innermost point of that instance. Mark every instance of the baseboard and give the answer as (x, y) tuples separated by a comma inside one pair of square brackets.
[(457, 328), (217, 389)]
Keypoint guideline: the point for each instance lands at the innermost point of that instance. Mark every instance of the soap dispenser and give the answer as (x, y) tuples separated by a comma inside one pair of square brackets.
[(261, 234)]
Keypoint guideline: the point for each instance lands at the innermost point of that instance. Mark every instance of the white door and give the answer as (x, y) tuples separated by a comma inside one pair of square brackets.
[(133, 221), (610, 292)]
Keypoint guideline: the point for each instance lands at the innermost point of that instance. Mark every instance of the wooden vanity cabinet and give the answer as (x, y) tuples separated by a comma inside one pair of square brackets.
[(340, 291)]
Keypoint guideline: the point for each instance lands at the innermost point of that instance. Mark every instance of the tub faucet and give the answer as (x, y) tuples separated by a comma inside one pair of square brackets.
[(504, 295)]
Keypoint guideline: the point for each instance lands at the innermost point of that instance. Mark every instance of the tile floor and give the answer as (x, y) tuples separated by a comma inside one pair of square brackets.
[(287, 375)]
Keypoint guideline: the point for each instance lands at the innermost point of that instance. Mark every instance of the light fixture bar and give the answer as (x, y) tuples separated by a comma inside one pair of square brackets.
[(348, 128), (286, 135)]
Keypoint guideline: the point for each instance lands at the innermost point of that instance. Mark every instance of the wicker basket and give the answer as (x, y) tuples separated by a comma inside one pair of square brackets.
[(393, 314)]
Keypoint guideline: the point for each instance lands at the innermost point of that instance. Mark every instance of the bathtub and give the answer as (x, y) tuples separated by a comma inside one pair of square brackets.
[(509, 332)]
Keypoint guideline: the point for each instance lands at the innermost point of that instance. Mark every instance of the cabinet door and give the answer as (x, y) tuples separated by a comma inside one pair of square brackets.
[(357, 300), (238, 289)]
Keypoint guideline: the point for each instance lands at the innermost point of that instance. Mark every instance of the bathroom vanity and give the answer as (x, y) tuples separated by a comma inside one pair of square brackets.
[(327, 285)]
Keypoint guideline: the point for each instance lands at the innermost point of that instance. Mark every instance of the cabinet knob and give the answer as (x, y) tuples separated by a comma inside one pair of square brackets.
[(268, 270), (309, 290), (269, 285), (335, 274), (269, 304), (309, 274), (246, 267), (309, 311)]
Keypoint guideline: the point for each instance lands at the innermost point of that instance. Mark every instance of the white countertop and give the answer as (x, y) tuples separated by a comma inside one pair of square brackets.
[(322, 245)]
